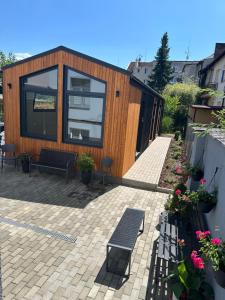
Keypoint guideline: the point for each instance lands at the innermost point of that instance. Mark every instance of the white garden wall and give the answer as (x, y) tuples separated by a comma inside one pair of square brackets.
[(209, 152)]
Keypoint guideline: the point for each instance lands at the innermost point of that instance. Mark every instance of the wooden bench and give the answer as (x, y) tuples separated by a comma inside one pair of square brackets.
[(125, 235), (55, 160), (168, 248)]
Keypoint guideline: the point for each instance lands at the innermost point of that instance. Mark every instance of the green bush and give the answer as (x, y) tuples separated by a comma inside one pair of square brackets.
[(167, 124), (85, 162)]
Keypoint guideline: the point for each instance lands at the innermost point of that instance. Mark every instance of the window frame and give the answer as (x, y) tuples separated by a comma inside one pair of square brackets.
[(65, 117), (34, 89)]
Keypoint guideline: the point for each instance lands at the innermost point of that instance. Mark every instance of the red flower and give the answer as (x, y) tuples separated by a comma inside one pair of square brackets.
[(197, 261), (202, 234), (178, 192), (216, 241), (202, 181)]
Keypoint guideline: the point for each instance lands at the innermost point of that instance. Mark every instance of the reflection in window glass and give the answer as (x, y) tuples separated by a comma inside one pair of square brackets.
[(38, 102), (80, 83), (44, 102), (44, 80), (85, 98), (39, 123), (88, 109), (84, 131)]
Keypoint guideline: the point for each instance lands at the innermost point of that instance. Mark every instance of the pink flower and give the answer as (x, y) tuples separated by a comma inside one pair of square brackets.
[(207, 232), (202, 181), (178, 170), (198, 234), (216, 241), (194, 254), (202, 234), (178, 192), (198, 263)]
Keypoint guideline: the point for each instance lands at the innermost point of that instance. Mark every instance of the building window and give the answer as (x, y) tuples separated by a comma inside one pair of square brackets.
[(223, 76), (39, 104), (83, 108), (146, 70)]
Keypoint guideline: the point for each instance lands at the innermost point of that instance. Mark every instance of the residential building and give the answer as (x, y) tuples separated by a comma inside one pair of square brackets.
[(182, 70), (212, 75), (65, 100)]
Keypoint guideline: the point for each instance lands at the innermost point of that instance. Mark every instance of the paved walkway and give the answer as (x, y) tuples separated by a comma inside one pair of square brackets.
[(146, 171), (37, 265)]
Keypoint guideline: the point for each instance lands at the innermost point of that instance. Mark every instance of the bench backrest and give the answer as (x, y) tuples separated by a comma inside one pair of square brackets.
[(57, 157)]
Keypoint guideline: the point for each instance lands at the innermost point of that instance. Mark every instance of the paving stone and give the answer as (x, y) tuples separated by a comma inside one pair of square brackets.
[(35, 266)]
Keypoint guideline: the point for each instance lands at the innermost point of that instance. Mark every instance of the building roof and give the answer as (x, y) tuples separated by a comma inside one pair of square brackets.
[(133, 79), (63, 48), (215, 60)]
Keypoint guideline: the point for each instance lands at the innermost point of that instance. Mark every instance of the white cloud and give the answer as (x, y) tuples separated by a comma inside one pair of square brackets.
[(22, 55)]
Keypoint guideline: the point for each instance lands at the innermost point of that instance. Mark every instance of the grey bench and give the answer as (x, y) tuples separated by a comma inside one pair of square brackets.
[(55, 160), (125, 235), (168, 248)]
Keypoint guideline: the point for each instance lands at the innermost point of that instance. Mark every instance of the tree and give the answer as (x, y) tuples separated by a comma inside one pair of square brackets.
[(6, 59), (162, 71)]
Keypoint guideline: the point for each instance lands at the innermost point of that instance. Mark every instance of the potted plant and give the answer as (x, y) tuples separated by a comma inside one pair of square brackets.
[(25, 162), (196, 173), (213, 250), (86, 165), (187, 280), (205, 201), (179, 202)]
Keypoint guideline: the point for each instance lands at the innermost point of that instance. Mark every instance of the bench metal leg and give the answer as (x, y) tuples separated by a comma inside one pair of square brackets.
[(143, 225), (107, 258), (129, 264)]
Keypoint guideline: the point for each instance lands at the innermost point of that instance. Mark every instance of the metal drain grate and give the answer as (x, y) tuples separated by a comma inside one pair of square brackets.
[(40, 230)]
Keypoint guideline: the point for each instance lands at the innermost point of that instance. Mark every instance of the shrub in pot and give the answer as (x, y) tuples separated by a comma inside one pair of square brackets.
[(213, 249), (196, 173), (205, 200), (25, 162), (179, 202), (86, 165)]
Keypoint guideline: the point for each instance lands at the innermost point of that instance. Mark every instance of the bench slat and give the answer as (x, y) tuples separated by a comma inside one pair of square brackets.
[(126, 232), (167, 248)]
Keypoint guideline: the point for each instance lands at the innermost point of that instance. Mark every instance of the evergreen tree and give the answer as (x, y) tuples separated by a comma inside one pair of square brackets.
[(162, 71)]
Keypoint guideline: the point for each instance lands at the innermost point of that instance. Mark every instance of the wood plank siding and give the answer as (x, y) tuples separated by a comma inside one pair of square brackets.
[(121, 112)]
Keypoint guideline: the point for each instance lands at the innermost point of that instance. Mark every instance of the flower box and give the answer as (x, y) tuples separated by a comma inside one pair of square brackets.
[(220, 277), (205, 207)]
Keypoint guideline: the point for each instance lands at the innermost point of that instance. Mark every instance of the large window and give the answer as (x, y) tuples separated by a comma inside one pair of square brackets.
[(39, 104), (84, 108)]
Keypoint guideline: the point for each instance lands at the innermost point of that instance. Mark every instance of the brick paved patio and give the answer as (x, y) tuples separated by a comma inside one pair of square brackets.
[(37, 266)]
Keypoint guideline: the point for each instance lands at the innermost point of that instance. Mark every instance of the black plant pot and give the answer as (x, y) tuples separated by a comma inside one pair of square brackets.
[(198, 175), (86, 177), (205, 207), (25, 166), (220, 277)]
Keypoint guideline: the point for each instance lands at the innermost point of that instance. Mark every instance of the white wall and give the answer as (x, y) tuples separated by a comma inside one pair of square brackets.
[(211, 152)]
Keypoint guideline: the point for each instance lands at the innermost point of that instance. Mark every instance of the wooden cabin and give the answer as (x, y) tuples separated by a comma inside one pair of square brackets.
[(65, 100)]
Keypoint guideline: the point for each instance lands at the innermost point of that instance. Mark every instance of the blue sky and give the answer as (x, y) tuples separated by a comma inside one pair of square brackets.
[(116, 31)]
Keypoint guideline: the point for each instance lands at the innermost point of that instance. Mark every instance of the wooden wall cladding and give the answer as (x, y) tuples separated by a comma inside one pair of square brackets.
[(121, 114)]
